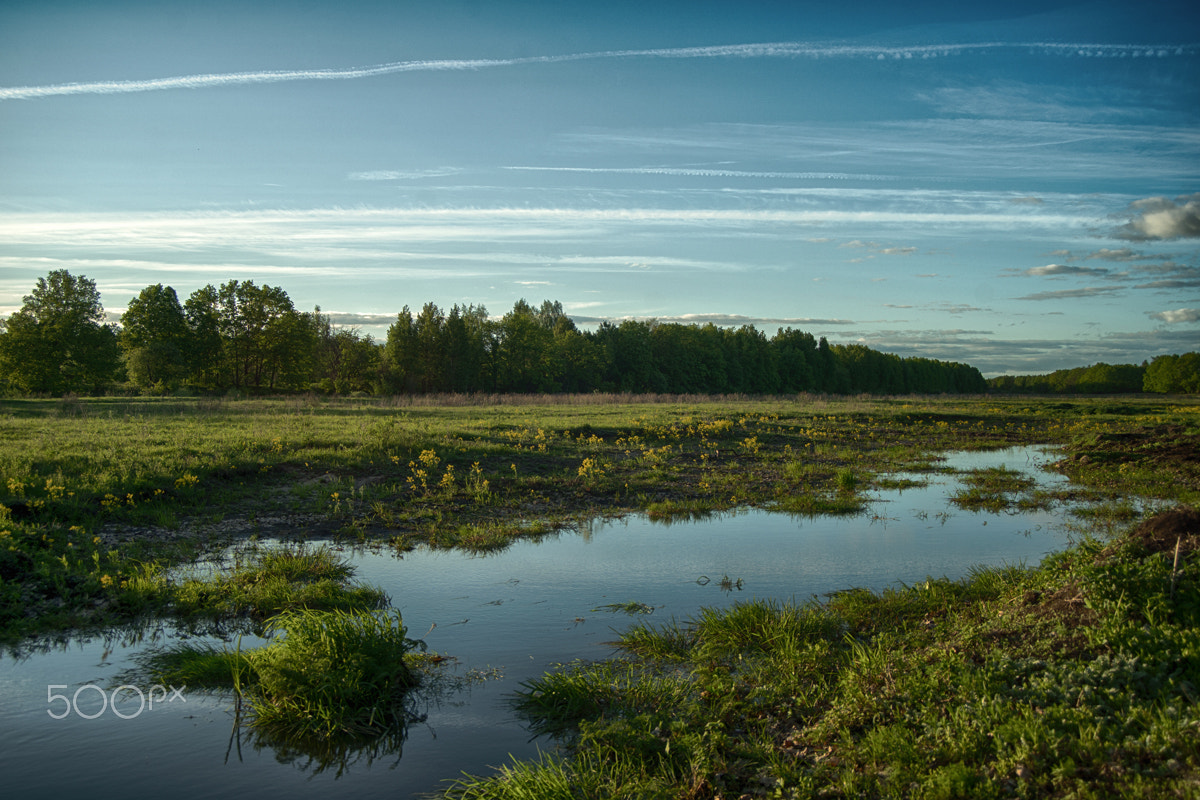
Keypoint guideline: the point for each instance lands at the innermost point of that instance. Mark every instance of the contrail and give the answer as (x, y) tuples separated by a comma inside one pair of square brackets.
[(761, 50)]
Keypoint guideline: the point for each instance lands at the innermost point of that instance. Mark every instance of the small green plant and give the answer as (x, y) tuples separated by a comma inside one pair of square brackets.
[(629, 607), (847, 481)]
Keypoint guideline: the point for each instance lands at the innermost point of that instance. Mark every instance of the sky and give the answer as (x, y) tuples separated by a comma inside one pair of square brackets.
[(1014, 185)]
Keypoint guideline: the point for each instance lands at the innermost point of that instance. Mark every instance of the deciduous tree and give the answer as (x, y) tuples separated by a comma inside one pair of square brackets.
[(154, 338), (58, 341)]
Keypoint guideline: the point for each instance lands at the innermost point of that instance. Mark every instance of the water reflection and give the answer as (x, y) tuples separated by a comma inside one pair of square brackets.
[(314, 756)]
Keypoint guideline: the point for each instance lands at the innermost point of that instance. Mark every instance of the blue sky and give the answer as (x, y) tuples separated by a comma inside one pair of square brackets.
[(1015, 185)]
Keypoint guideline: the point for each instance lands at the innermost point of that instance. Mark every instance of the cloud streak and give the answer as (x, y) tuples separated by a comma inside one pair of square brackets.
[(713, 173), (1066, 294), (1064, 269), (720, 320), (364, 226), (812, 50)]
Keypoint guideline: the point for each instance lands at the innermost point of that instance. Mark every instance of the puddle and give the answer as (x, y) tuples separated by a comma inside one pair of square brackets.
[(520, 612)]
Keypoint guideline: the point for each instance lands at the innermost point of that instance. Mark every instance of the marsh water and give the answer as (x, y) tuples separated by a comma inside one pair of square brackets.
[(505, 617)]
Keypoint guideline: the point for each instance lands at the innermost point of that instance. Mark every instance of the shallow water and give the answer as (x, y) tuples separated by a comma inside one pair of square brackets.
[(519, 611)]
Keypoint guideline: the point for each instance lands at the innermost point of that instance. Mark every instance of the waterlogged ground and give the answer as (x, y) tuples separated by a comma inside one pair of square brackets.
[(505, 618)]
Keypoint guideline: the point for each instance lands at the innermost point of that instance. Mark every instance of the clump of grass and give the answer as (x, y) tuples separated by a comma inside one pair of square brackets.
[(333, 672), (276, 581), (327, 674), (847, 481), (817, 503), (684, 510), (669, 641), (991, 489)]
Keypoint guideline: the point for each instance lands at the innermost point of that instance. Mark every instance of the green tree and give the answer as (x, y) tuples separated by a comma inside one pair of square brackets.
[(205, 349), (154, 337), (346, 361), (1174, 374), (430, 331), (630, 357), (468, 338), (58, 341), (401, 355), (524, 350), (265, 340), (796, 353)]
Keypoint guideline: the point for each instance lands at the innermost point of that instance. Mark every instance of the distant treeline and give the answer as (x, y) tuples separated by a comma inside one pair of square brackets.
[(1171, 374), (240, 336)]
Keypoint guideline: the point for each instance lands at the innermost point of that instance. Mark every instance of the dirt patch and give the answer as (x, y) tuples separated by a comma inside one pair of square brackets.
[(233, 527), (1160, 533), (1066, 604), (1162, 445)]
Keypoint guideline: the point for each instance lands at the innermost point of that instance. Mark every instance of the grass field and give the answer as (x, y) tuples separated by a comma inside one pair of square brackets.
[(1074, 679)]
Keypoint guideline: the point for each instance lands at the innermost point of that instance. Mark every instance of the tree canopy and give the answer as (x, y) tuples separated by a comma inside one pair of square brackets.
[(58, 341), (247, 337), (1165, 374)]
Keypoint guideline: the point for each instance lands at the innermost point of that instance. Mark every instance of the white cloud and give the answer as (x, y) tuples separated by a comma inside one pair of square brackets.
[(354, 319), (1177, 316), (1063, 269), (996, 356), (1163, 218), (1121, 254)]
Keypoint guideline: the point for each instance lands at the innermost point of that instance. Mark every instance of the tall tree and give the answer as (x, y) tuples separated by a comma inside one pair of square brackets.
[(524, 345), (58, 341), (205, 348), (430, 331), (346, 361), (154, 337), (796, 353), (401, 355), (261, 332)]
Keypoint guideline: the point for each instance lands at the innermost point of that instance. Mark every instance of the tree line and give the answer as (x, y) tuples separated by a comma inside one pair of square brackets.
[(1166, 374), (242, 336)]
